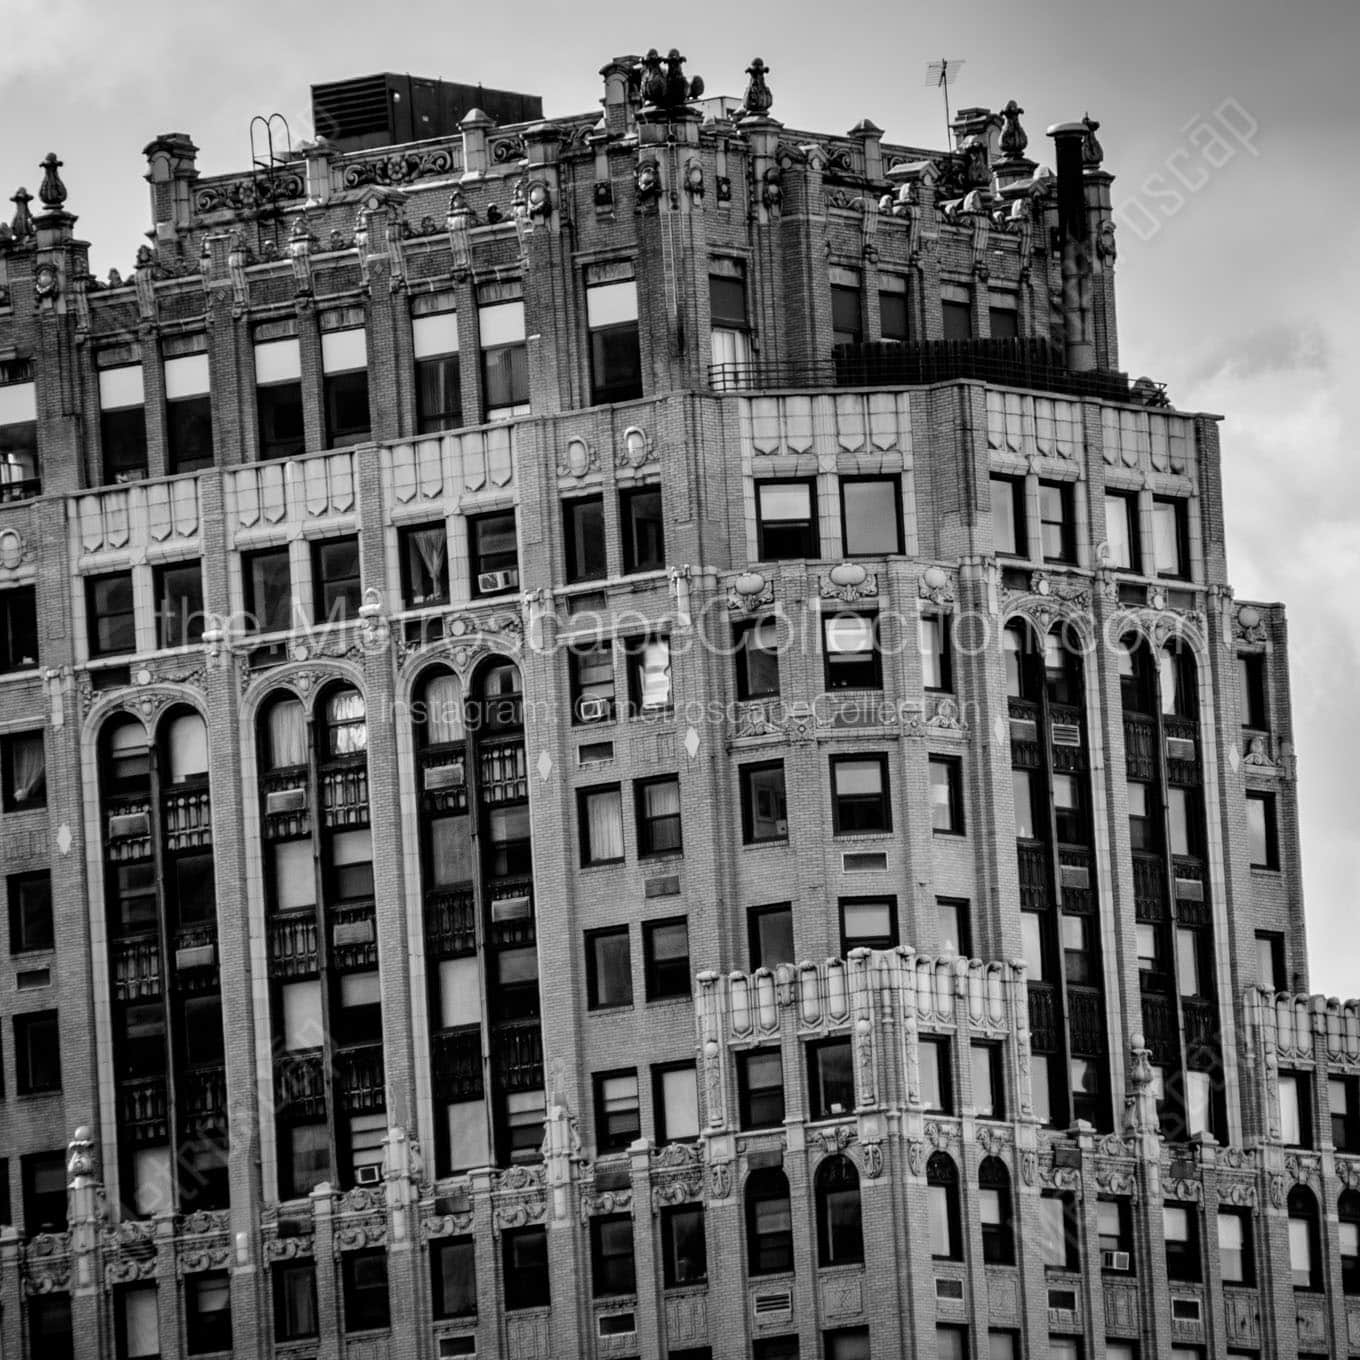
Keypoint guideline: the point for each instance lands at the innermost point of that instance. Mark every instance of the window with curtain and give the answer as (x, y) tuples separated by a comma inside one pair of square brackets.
[(188, 743), (287, 727), (346, 724), (601, 825), (25, 771), (443, 710), (424, 565)]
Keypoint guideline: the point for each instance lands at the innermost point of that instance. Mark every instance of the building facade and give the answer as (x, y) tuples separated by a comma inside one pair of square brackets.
[(621, 738)]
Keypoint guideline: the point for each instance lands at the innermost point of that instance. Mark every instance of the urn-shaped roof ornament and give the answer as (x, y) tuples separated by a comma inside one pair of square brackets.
[(52, 191), (1092, 153), (759, 99), (1014, 139), (22, 223)]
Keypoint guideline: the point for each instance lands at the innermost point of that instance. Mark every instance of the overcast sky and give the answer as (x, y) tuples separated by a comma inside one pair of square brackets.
[(1237, 281)]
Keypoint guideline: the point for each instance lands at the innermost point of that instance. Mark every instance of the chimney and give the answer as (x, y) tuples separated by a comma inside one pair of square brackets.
[(1074, 243)]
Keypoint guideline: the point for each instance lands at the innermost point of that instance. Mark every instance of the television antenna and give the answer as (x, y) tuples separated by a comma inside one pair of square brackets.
[(942, 74)]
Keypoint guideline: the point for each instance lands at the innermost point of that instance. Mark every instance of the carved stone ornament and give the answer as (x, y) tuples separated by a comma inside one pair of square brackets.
[(694, 180), (1029, 1167), (936, 586), (579, 457), (758, 99), (637, 448), (1248, 625), (916, 1156), (720, 1178), (1013, 139), (52, 192), (647, 182), (772, 188), (848, 582), (873, 1160), (749, 591)]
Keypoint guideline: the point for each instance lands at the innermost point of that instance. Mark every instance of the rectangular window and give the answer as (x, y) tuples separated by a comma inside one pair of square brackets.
[(730, 342), (1078, 965), (207, 1312), (892, 309), (43, 1175), (439, 386), (1004, 323), (1263, 848), (937, 667), (1142, 826), (1181, 1232), (755, 645), (1058, 1232), (306, 1159), (18, 629), (1302, 1262), (267, 580), (956, 314), (30, 911), (591, 671), (868, 923), (760, 1088), (617, 1118), (336, 586), (1270, 962), (1343, 1099), (525, 1268), (649, 675), (860, 799), (937, 1087), (684, 1246), (831, 1079), (849, 1343), (640, 522), (294, 1301), (344, 387), (946, 795), (786, 521), (665, 956), (1056, 526), (179, 604), (609, 972), (1122, 545), (771, 935), (122, 423), (1251, 688), (1114, 1233), (23, 772), (658, 815), (37, 1053), (675, 1103), (453, 1277), (188, 413), (278, 398), (424, 551), (1348, 1235), (871, 516), (764, 809), (951, 1342), (612, 1266), (137, 1323), (1170, 538), (1010, 536), (847, 312), (1069, 810), (956, 931), (18, 440), (505, 359), (989, 1089), (1182, 815), (1234, 1247), (494, 553), (112, 624), (1296, 1125), (1027, 826), (850, 647), (583, 538), (600, 812), (615, 353), (364, 1279)]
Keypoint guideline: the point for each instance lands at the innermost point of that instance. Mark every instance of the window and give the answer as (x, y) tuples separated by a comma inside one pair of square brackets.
[(344, 386), (1059, 1239), (1251, 688), (1170, 538), (1009, 533), (505, 359), (18, 629), (424, 565), (847, 313), (1003, 322), (1263, 849), (612, 1268), (684, 1247), (892, 308), (859, 795), (731, 347), (351, 866), (1034, 946), (956, 932), (840, 1235), (1181, 1232), (786, 521), (850, 643), (675, 1102), (583, 538), (524, 1114), (615, 355), (44, 1188), (764, 809), (267, 580), (1182, 815), (1078, 963), (23, 771), (1142, 825), (1305, 1255), (609, 973), (994, 1209), (179, 604), (760, 1088), (294, 1301), (30, 911), (109, 606), (1296, 1125), (136, 1323), (1348, 1233), (665, 953), (439, 386), (942, 1198), (771, 935), (122, 423), (937, 1087), (951, 1342), (1234, 1247), (871, 516), (495, 559), (364, 1279), (590, 668), (188, 413), (305, 1159), (207, 1312), (617, 1121), (1177, 683), (640, 522), (1056, 527), (37, 1053), (1006, 1346), (278, 398), (1114, 1234), (946, 795), (336, 590), (831, 1079), (649, 675), (769, 1222), (18, 440), (1149, 945), (868, 923), (525, 1261), (658, 815), (1069, 814), (936, 661), (600, 812), (956, 308), (989, 1085), (1343, 1100), (1270, 965), (1122, 547), (756, 648)]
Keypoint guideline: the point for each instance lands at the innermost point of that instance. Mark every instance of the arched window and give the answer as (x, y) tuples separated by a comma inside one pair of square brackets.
[(840, 1238), (998, 1237), (942, 1189), (285, 734), (1305, 1255), (769, 1222), (440, 714), (499, 698), (1348, 1212), (1019, 655), (129, 753), (186, 745), (1177, 681), (346, 723)]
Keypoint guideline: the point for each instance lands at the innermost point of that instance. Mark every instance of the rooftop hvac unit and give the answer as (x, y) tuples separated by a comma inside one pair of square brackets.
[(510, 908), (129, 824), (616, 1324), (455, 1347), (489, 582), (369, 1174), (1114, 1260), (1066, 734), (1186, 1310), (285, 800), (1189, 890), (444, 777)]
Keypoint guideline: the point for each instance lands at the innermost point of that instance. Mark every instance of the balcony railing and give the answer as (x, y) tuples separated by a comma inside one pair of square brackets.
[(457, 1064), (1086, 1021), (1191, 891), (518, 1056), (1149, 886), (360, 1079), (344, 792), (202, 1095), (136, 968), (451, 922), (292, 943), (286, 814), (1140, 747), (1200, 1017), (186, 815), (1030, 363), (354, 936), (1043, 1017), (1182, 752), (1064, 726), (1032, 860), (1026, 753), (143, 1110), (300, 1083), (196, 958), (1076, 870), (502, 773), (443, 779), (128, 828), (1159, 1028), (512, 911)]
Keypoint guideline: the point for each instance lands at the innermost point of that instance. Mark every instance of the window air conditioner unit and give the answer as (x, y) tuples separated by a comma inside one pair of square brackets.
[(948, 1288), (1114, 1260), (616, 1324), (444, 777), (1189, 890), (369, 1174), (1180, 748), (455, 1347), (592, 709), (1022, 729), (351, 932), (774, 1304), (510, 908), (488, 582), (129, 824), (1186, 1310), (1074, 875), (285, 800), (1066, 734), (195, 956)]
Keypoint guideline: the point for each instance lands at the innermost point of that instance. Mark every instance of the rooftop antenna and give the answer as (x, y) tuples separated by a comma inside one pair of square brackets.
[(941, 74)]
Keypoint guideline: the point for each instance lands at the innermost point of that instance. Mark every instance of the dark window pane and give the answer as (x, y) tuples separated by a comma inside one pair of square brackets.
[(18, 629), (281, 429), (268, 590), (188, 428), (643, 532), (583, 534), (346, 400), (615, 364), (179, 605), (439, 394), (892, 316), (111, 621)]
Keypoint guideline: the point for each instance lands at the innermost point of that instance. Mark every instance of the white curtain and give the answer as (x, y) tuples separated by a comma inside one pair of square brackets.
[(443, 710), (604, 812), (432, 548), (28, 769), (188, 748), (345, 713), (287, 735)]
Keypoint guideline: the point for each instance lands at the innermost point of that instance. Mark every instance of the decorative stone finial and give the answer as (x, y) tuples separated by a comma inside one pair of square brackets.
[(1013, 137), (667, 89), (52, 191), (22, 224), (653, 84), (1092, 153), (759, 99), (80, 1162)]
